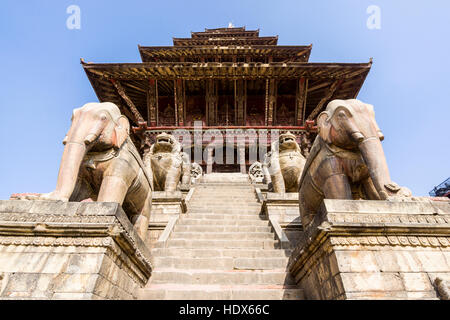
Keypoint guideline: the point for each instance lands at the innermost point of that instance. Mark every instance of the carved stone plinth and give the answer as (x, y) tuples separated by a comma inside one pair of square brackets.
[(166, 208), (375, 250), (57, 250), (283, 212)]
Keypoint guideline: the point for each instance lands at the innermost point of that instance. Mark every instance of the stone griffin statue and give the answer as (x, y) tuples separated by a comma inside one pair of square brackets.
[(168, 164), (196, 172), (283, 165), (255, 172), (346, 160), (100, 163)]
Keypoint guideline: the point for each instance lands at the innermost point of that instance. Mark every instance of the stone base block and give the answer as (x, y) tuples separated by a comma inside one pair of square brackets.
[(166, 206), (56, 250), (283, 212), (375, 250)]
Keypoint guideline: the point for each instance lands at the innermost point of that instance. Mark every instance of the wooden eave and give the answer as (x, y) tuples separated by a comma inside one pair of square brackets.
[(134, 77), (301, 53), (214, 34), (226, 41), (225, 29), (230, 70)]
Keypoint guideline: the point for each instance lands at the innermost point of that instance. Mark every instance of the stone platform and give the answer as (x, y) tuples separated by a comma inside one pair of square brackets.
[(283, 213), (221, 242), (375, 250), (166, 209), (56, 250)]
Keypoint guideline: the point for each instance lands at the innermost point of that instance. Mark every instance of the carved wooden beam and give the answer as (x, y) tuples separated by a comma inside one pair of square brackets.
[(211, 101), (240, 98), (327, 97), (175, 99), (302, 91), (121, 91), (301, 53), (152, 102), (319, 86), (266, 109), (179, 101), (272, 101)]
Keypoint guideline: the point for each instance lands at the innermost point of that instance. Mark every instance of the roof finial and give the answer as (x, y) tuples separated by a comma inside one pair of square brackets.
[(230, 25)]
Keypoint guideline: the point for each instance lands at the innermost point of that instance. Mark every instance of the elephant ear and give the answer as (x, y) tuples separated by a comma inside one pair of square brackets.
[(122, 131), (324, 126)]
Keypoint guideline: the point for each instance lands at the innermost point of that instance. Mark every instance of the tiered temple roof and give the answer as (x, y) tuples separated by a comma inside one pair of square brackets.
[(256, 81)]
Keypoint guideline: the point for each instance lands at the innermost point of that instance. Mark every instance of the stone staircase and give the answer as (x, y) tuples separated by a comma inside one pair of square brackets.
[(221, 249)]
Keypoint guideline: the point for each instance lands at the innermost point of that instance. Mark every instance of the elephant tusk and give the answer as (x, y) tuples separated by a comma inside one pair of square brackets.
[(358, 137), (90, 138)]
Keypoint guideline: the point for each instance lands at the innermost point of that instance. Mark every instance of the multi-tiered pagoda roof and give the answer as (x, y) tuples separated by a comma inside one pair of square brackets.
[(225, 77)]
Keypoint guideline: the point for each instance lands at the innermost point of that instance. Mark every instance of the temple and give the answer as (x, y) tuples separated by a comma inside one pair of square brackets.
[(225, 79), (133, 217)]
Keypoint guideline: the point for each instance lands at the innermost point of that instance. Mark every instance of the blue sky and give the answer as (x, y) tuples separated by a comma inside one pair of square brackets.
[(42, 80)]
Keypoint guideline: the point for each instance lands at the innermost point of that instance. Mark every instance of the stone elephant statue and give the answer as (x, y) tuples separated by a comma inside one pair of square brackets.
[(168, 164), (283, 165), (101, 163), (347, 160)]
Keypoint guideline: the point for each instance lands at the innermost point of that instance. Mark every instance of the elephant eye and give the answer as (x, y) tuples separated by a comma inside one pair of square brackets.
[(342, 114)]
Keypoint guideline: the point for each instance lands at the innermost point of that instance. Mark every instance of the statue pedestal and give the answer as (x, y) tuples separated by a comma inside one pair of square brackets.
[(375, 250), (56, 250), (283, 213), (166, 209)]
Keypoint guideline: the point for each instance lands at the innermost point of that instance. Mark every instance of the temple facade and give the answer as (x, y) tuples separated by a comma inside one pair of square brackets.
[(225, 79)]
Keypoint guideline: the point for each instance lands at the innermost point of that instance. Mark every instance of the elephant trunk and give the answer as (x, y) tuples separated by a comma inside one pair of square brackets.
[(70, 166), (373, 155)]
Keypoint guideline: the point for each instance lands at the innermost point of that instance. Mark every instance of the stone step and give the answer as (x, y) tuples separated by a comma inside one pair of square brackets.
[(219, 253), (226, 211), (227, 181), (226, 264), (215, 187), (235, 277), (224, 201), (220, 191), (221, 228), (208, 292), (224, 216), (200, 220), (224, 195), (220, 186), (223, 235), (225, 204), (230, 244)]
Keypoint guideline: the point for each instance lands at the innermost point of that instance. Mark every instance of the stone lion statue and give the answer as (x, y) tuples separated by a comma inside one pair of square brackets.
[(283, 165), (169, 165)]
